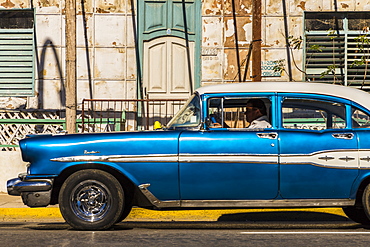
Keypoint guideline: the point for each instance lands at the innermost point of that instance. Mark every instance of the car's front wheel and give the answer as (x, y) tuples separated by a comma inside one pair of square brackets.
[(91, 200)]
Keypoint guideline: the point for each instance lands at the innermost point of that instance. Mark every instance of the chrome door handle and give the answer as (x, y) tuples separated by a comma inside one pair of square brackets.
[(271, 135), (347, 136)]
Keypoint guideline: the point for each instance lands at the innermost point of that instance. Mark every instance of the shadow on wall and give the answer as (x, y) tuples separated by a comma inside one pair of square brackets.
[(41, 65), (40, 72)]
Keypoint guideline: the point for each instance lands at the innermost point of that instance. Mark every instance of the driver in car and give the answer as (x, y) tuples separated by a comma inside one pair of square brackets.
[(255, 113)]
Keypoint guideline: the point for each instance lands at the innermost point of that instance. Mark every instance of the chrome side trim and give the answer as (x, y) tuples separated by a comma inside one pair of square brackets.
[(229, 158), (119, 158), (244, 203), (338, 159), (326, 152), (268, 203), (155, 201), (219, 158)]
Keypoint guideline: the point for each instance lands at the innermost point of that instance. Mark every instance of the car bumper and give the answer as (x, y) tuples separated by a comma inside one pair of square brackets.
[(35, 192)]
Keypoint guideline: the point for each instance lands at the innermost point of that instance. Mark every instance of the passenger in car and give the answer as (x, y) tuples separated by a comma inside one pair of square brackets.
[(256, 114)]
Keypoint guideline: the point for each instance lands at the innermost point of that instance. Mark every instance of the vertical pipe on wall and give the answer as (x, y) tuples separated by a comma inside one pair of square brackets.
[(236, 40), (39, 74), (286, 30), (140, 93), (187, 46), (338, 35), (248, 59), (137, 53), (256, 39), (84, 21)]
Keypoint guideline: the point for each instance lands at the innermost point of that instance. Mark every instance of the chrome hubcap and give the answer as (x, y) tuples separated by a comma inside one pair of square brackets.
[(91, 200)]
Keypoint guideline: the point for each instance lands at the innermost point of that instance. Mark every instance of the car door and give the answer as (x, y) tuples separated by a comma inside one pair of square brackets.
[(318, 152), (229, 163)]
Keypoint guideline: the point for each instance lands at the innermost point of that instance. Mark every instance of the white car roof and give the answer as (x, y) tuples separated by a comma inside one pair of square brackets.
[(356, 95)]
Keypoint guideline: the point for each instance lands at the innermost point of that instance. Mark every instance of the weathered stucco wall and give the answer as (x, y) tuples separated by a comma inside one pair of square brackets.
[(108, 43), (11, 165), (109, 71), (219, 63)]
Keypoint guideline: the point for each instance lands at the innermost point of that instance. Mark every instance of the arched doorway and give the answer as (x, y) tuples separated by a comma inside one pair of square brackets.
[(170, 56), (166, 73)]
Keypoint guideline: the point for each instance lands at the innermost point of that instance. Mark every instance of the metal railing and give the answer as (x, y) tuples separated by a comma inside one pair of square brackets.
[(105, 115), (96, 116)]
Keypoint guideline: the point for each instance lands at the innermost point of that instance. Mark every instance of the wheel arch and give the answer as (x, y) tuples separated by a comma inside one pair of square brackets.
[(130, 189), (360, 190)]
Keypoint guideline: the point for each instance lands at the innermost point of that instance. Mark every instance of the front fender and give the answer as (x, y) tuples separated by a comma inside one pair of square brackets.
[(161, 176), (85, 165)]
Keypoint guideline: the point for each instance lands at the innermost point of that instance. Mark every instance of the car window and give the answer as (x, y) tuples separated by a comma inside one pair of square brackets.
[(360, 119), (188, 116), (313, 114), (231, 112)]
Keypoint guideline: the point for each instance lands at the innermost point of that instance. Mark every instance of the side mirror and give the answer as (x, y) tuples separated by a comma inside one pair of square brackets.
[(157, 125)]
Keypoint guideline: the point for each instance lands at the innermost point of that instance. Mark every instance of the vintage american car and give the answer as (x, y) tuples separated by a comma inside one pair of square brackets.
[(316, 154)]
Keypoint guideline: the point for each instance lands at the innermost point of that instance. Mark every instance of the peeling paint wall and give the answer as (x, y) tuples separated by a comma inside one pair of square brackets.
[(105, 50), (219, 60), (218, 34)]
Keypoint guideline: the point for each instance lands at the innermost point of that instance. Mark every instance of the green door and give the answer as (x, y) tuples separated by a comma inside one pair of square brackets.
[(160, 20)]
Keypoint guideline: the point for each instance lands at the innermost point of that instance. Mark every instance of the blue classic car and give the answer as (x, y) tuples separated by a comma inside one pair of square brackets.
[(312, 150)]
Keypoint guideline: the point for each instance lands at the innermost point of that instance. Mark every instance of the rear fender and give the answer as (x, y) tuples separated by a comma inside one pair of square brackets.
[(359, 185)]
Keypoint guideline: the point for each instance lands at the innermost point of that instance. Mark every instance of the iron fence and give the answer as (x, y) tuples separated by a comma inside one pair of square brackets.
[(98, 115), (105, 115)]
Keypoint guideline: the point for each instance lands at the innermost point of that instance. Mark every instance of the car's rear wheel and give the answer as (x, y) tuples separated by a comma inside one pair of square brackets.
[(91, 200), (357, 214), (366, 202)]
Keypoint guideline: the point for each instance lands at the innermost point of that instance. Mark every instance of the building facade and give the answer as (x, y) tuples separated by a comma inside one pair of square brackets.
[(136, 49)]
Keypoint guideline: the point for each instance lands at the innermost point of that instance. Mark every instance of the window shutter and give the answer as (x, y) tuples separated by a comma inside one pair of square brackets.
[(325, 51), (16, 62), (16, 52), (358, 75), (346, 54)]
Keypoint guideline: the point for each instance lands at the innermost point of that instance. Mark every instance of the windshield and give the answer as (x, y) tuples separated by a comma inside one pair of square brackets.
[(188, 116)]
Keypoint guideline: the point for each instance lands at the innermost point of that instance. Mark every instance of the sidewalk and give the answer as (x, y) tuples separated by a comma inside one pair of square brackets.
[(13, 209), (7, 201)]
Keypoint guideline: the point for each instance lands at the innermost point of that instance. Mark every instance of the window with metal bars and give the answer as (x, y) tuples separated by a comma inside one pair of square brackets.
[(16, 52), (337, 48)]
